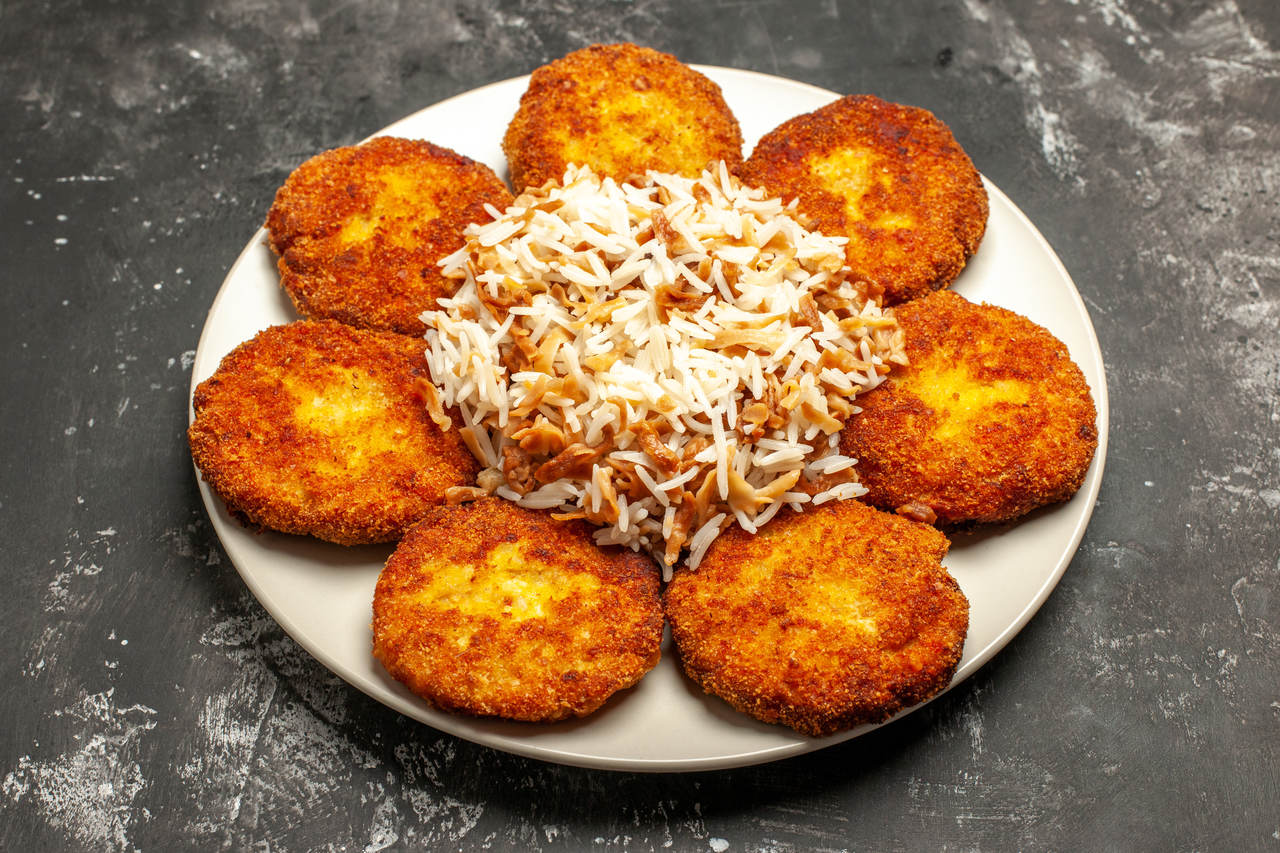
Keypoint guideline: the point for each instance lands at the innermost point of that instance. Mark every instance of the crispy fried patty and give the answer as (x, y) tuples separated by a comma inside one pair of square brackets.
[(495, 610), (317, 428), (991, 419), (823, 620), (361, 230), (889, 177), (621, 110)]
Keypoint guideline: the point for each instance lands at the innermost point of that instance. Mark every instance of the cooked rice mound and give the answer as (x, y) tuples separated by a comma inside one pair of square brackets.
[(621, 110), (891, 178), (823, 620), (319, 428), (991, 419), (494, 610), (662, 359), (360, 230)]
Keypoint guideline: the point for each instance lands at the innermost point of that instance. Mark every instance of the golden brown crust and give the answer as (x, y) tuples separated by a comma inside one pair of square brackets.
[(494, 610), (823, 620), (317, 428), (361, 230), (622, 110), (991, 419), (891, 178)]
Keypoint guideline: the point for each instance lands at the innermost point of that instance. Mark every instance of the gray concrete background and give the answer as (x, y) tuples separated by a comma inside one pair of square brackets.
[(150, 702)]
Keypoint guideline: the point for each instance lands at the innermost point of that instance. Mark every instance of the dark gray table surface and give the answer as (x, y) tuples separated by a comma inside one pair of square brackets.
[(150, 703)]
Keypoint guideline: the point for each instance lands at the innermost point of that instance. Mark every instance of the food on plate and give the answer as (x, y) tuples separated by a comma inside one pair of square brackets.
[(662, 359), (319, 428), (490, 609), (656, 350), (891, 178), (621, 110), (990, 420), (823, 620), (360, 230)]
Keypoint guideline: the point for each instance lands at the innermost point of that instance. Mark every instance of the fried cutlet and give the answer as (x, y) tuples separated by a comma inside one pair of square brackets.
[(491, 609), (318, 428), (889, 177), (621, 110), (361, 230), (991, 419), (823, 620)]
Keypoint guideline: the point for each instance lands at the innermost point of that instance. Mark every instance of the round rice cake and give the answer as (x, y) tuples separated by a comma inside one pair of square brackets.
[(491, 609), (891, 178), (990, 420), (361, 230), (621, 110), (823, 620), (319, 428)]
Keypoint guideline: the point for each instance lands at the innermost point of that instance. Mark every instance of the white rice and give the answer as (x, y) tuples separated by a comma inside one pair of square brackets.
[(600, 328)]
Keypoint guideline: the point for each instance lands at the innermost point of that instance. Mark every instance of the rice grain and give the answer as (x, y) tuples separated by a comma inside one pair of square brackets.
[(606, 315)]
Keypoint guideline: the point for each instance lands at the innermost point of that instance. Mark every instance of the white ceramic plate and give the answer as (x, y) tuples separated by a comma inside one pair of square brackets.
[(321, 594)]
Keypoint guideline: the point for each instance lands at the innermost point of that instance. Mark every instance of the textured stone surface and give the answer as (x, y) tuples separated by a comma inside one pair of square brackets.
[(151, 703)]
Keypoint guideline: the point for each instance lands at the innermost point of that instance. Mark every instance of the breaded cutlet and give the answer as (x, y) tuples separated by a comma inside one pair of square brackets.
[(361, 230), (491, 609), (990, 420), (891, 178), (621, 110), (822, 620), (318, 428)]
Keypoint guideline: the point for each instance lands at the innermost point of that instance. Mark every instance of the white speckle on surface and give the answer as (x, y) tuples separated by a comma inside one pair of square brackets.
[(88, 792), (382, 832), (1114, 14), (1058, 145), (719, 845), (79, 559)]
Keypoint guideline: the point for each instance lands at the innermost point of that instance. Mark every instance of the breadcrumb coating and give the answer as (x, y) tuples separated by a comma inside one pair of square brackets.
[(491, 609), (823, 620), (990, 420), (891, 178), (361, 230), (319, 428), (620, 109)]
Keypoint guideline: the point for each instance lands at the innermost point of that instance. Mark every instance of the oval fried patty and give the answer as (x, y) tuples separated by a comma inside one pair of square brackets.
[(823, 620), (991, 419), (361, 230), (317, 428), (621, 110), (889, 177), (491, 609)]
